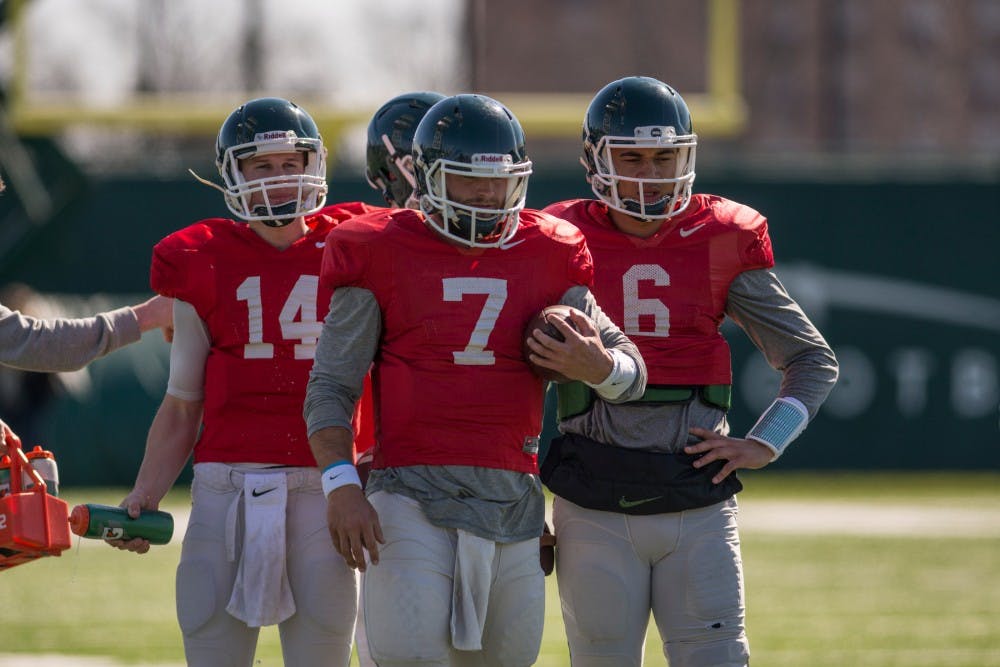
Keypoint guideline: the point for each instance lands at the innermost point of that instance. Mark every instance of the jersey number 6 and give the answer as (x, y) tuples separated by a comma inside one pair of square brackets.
[(634, 307)]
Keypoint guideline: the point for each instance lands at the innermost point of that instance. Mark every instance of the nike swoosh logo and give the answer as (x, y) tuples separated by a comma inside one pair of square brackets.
[(320, 244), (505, 246), (255, 493), (625, 504), (689, 231)]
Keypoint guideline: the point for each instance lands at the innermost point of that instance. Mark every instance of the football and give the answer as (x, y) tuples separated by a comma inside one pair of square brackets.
[(543, 322)]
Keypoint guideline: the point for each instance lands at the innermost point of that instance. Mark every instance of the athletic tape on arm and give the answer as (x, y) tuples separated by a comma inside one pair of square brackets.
[(619, 379)]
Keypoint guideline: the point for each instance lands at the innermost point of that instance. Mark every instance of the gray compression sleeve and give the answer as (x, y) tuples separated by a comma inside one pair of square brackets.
[(761, 306), (344, 355)]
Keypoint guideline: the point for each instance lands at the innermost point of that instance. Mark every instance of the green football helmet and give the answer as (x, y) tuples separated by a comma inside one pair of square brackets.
[(639, 112), (471, 136), (271, 125), (390, 143)]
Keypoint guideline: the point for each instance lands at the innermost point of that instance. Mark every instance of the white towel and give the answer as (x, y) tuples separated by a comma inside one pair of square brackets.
[(470, 592), (261, 593)]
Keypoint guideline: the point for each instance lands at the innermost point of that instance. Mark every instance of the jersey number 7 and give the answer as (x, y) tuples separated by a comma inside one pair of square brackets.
[(495, 289)]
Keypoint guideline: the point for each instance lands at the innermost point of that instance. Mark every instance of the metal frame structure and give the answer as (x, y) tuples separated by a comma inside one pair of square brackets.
[(720, 110)]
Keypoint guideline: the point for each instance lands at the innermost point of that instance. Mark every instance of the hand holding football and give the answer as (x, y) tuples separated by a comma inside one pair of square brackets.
[(543, 322)]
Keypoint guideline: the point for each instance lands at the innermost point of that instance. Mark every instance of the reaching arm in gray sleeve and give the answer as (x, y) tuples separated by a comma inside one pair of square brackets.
[(63, 344), (344, 355), (612, 338), (761, 306)]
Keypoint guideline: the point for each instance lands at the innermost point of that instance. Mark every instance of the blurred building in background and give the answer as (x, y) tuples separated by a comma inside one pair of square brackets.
[(891, 79), (867, 132), (894, 78)]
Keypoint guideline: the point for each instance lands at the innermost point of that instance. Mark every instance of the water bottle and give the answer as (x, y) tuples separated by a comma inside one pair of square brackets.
[(44, 462), (104, 522)]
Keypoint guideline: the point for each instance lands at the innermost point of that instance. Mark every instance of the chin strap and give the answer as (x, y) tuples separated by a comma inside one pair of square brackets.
[(276, 223), (290, 207)]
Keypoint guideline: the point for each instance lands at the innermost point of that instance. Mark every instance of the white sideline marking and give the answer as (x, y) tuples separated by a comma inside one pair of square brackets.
[(59, 660), (869, 518)]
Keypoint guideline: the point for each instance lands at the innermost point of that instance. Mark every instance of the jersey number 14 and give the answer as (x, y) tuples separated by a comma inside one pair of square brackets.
[(297, 318)]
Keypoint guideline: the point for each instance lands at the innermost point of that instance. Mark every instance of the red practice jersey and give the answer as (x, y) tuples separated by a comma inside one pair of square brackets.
[(264, 310), (668, 292), (449, 382)]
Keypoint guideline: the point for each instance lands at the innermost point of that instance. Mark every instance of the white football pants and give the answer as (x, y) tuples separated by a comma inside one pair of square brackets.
[(324, 588), (408, 595), (684, 567)]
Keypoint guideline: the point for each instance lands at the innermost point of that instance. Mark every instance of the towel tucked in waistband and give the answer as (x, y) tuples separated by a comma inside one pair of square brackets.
[(261, 593), (471, 590)]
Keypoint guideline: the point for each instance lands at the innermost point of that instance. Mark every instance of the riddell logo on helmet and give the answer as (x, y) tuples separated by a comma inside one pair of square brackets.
[(655, 132), (275, 136), (492, 158)]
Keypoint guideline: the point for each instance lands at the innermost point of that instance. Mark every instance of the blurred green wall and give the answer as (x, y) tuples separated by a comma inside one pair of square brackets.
[(900, 275)]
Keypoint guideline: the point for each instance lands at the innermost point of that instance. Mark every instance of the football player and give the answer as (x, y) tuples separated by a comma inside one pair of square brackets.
[(388, 154), (389, 169), (645, 508), (248, 312), (437, 299)]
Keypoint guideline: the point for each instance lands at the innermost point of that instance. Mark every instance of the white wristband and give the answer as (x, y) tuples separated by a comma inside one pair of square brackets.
[(338, 474), (780, 424), (619, 379)]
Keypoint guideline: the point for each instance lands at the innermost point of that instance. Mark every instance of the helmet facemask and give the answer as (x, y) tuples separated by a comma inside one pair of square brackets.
[(470, 225), (310, 186), (604, 179)]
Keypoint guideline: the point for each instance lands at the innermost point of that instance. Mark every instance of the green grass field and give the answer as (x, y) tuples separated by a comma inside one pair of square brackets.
[(816, 600)]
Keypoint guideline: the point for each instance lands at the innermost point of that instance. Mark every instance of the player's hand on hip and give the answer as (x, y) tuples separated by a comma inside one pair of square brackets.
[(354, 526), (736, 452)]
